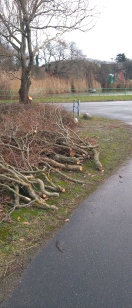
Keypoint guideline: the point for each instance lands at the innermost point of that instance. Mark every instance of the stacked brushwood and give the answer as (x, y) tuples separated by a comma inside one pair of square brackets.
[(37, 141)]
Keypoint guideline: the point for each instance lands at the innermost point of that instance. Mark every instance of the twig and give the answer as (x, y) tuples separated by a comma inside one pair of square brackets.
[(64, 175)]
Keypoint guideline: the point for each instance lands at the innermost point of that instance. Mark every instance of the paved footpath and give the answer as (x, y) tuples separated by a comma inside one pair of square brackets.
[(88, 263)]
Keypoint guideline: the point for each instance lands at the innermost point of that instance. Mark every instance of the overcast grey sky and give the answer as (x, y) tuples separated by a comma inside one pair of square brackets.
[(111, 34)]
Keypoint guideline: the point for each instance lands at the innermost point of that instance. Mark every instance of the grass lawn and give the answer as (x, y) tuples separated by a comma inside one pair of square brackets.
[(84, 97)]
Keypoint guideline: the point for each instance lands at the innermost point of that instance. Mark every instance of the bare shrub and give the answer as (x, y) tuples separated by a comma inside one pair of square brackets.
[(23, 128), (36, 140)]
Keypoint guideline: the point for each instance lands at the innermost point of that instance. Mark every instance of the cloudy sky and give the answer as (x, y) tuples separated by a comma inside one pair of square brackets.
[(112, 33)]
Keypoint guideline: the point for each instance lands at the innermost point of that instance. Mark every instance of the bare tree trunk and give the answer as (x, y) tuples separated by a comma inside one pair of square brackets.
[(26, 62), (25, 85)]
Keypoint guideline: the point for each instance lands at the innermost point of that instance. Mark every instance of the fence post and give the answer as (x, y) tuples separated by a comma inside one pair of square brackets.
[(78, 107), (73, 108)]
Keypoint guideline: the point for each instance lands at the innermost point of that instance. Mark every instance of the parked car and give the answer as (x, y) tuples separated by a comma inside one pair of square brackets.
[(92, 90)]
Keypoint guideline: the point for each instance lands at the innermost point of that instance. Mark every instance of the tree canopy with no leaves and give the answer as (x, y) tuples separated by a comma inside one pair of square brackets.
[(27, 25)]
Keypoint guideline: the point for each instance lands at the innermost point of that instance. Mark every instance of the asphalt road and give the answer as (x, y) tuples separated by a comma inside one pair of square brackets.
[(88, 263), (114, 110), (95, 268)]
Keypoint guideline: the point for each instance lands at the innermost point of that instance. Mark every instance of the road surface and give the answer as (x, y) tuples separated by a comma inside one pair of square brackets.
[(114, 110)]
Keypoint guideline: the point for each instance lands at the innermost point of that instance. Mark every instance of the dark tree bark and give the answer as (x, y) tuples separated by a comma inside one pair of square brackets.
[(25, 85)]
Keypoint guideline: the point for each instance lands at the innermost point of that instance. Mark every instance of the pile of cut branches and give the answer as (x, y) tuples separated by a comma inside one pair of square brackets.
[(35, 141)]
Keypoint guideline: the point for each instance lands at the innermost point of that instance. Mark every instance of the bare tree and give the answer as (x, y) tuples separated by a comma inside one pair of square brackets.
[(75, 52), (27, 24), (54, 51), (7, 61)]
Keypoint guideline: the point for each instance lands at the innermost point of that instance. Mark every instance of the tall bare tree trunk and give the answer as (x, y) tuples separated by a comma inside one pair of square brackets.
[(26, 61), (25, 85)]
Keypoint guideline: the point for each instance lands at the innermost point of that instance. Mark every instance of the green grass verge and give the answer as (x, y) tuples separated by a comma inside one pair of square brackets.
[(83, 98), (70, 99), (29, 228)]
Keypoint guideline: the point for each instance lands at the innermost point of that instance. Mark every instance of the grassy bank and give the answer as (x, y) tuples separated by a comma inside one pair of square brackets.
[(30, 228), (85, 98)]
